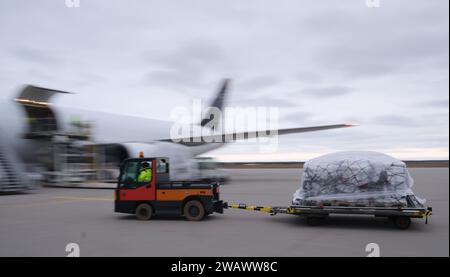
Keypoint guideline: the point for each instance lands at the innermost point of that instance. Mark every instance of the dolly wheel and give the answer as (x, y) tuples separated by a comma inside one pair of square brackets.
[(315, 220), (402, 222), (144, 212), (194, 211)]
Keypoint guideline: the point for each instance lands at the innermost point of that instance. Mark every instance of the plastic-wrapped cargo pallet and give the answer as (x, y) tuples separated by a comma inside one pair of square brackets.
[(356, 179)]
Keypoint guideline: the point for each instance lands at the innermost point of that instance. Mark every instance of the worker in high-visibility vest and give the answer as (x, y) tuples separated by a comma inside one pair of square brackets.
[(145, 174)]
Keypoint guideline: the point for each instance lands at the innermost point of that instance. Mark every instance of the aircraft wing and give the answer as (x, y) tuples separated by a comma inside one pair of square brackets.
[(231, 137)]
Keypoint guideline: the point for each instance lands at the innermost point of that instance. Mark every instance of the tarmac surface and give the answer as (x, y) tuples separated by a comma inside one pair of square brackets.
[(42, 222)]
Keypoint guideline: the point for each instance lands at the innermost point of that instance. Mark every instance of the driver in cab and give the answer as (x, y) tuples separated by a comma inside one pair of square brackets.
[(145, 173)]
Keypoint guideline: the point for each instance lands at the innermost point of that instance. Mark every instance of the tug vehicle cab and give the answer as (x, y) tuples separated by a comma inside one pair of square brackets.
[(157, 195)]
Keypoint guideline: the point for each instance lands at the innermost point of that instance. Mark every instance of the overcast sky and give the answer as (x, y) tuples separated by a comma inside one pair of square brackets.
[(320, 62)]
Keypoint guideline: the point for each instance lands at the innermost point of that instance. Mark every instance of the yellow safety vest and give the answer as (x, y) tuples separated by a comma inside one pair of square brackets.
[(145, 175)]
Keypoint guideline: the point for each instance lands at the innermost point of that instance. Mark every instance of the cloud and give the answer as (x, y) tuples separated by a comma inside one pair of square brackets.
[(258, 83), (444, 104), (266, 101), (298, 116), (34, 55), (396, 121), (186, 65), (357, 42), (331, 91), (309, 77), (377, 56)]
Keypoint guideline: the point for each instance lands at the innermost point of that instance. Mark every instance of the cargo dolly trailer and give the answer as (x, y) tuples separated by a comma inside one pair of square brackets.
[(401, 217)]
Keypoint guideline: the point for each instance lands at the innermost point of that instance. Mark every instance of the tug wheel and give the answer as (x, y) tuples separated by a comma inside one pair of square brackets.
[(144, 211), (194, 211)]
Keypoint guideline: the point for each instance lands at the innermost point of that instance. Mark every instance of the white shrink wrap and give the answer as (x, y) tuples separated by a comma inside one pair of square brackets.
[(356, 179)]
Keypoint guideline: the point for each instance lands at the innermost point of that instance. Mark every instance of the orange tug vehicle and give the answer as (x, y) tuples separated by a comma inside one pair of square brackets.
[(157, 195)]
